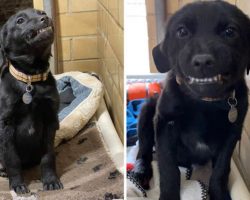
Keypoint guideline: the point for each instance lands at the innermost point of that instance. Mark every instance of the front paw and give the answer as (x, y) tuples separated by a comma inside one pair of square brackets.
[(52, 183), (19, 188), (142, 172)]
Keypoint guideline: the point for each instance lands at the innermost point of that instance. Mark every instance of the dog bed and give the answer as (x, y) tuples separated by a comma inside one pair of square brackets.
[(84, 166), (194, 184), (80, 95)]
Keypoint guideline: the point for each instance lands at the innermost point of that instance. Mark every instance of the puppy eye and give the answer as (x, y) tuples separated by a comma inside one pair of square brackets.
[(230, 32), (20, 20), (182, 32)]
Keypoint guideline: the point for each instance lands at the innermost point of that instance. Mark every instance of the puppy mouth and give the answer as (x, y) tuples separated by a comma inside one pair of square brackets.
[(49, 28), (35, 33), (217, 79)]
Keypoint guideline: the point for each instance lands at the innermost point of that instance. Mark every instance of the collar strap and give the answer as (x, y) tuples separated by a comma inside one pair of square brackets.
[(27, 78)]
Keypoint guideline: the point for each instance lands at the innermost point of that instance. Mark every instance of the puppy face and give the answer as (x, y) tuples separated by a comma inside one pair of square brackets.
[(207, 45), (27, 34)]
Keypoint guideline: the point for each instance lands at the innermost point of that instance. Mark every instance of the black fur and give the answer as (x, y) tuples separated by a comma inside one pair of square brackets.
[(203, 39), (27, 131)]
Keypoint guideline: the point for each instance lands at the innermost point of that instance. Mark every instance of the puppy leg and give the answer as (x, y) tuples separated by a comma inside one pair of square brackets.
[(166, 154), (13, 166), (48, 166), (143, 169), (219, 180), (11, 160)]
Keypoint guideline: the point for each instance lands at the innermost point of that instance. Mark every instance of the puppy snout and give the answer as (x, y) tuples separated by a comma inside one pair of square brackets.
[(203, 60), (44, 19)]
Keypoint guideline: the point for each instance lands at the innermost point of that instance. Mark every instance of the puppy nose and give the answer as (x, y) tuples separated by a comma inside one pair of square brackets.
[(203, 60), (44, 19)]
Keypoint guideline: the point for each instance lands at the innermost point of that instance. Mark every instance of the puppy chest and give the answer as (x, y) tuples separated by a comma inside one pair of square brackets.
[(203, 137), (29, 125)]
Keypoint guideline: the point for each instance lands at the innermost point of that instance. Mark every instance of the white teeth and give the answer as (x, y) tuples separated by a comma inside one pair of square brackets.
[(191, 80), (213, 79), (44, 29)]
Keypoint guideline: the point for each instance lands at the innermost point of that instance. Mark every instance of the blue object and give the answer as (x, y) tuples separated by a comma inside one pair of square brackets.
[(80, 93), (133, 110)]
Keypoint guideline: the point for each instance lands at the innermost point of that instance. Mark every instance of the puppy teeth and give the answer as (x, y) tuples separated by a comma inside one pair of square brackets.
[(44, 29), (213, 79)]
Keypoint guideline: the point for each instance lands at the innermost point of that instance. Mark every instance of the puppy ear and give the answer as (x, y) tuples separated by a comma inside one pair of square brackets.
[(3, 62), (248, 44), (3, 59), (160, 59)]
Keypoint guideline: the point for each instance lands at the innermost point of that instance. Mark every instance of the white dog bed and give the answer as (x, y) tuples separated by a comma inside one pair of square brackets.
[(77, 109), (194, 182)]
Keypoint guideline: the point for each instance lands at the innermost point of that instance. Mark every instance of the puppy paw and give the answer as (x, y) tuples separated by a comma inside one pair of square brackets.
[(142, 172), (20, 188), (52, 184)]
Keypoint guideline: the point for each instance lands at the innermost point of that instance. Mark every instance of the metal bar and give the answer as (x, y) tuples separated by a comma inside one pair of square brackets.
[(49, 8)]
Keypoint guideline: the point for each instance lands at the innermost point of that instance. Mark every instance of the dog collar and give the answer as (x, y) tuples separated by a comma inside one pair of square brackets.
[(27, 78)]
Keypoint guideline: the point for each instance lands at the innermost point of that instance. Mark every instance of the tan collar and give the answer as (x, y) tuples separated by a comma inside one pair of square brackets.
[(27, 78)]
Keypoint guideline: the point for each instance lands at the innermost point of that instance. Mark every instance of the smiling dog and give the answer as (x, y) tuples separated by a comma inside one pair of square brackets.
[(199, 115), (29, 99)]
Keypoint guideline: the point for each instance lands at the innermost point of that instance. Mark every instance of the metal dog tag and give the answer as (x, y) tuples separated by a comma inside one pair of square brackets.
[(27, 97), (233, 112)]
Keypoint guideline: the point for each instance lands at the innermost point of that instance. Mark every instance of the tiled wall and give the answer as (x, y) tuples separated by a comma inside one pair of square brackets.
[(77, 41), (110, 51), (76, 23), (172, 6)]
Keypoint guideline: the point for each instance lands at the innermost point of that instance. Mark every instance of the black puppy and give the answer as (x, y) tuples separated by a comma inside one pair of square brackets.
[(199, 115), (29, 99)]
